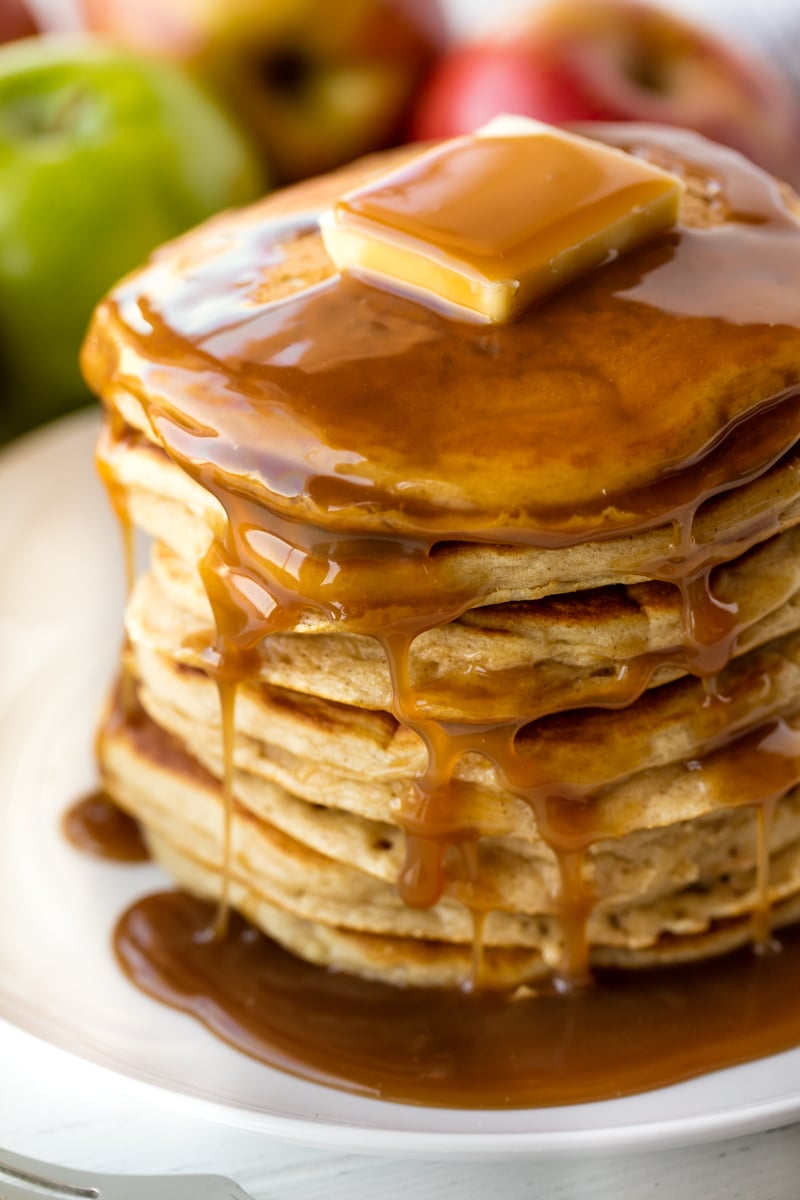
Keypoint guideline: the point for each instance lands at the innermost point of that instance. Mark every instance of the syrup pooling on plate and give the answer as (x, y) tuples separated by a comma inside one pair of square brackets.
[(97, 826), (348, 434), (632, 1032)]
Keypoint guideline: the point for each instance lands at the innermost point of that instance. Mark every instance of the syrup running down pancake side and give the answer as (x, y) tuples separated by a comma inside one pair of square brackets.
[(97, 826), (356, 443)]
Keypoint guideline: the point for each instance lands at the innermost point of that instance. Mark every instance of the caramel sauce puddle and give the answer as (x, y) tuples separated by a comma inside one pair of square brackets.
[(631, 1032)]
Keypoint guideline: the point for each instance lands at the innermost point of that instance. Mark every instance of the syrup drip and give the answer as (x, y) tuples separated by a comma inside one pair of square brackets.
[(302, 419), (98, 827), (477, 969), (762, 914), (575, 904), (227, 704), (111, 435)]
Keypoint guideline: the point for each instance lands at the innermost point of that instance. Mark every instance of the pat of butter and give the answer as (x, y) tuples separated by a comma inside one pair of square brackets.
[(484, 225)]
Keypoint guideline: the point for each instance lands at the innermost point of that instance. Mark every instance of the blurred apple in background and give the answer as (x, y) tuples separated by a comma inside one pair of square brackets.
[(318, 82), (103, 156), (615, 60), (16, 20)]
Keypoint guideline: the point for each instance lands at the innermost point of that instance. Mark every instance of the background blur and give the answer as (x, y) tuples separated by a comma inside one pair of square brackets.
[(467, 17)]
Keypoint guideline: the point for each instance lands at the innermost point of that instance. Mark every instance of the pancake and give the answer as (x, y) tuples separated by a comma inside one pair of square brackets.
[(535, 656), (312, 745), (467, 656), (168, 505), (687, 880), (589, 347)]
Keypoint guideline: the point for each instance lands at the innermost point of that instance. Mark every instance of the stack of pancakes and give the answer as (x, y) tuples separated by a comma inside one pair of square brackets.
[(572, 735)]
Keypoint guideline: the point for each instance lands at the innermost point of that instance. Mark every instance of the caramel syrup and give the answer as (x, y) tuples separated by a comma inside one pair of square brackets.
[(631, 1032), (97, 826), (351, 437)]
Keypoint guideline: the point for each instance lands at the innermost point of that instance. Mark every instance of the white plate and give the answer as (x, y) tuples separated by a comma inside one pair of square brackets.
[(61, 598)]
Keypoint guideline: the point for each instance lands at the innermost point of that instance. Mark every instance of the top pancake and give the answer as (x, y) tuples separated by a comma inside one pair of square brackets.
[(606, 408)]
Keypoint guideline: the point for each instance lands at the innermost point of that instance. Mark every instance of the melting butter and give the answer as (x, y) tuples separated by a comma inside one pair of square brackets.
[(485, 225)]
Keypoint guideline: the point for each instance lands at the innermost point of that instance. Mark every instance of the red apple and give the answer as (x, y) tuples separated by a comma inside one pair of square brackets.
[(615, 60), (318, 85), (16, 20), (474, 83)]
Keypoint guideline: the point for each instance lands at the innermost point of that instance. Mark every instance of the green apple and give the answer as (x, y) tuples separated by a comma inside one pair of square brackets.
[(103, 156)]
